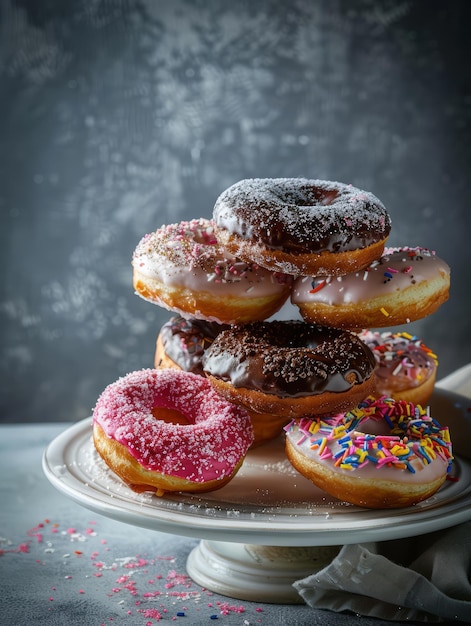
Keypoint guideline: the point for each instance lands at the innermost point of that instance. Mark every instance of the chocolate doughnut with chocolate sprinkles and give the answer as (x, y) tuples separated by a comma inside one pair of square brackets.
[(290, 368), (300, 226)]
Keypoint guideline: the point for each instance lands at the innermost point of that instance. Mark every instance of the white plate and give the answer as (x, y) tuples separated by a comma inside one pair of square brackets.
[(268, 502)]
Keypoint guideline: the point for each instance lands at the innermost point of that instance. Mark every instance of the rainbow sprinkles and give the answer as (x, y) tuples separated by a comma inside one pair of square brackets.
[(378, 434)]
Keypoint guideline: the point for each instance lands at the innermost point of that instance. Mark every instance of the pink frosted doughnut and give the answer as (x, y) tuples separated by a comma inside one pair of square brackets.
[(167, 430), (404, 285), (183, 268), (383, 454)]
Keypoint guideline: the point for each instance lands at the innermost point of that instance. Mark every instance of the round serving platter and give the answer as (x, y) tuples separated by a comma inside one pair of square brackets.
[(268, 502)]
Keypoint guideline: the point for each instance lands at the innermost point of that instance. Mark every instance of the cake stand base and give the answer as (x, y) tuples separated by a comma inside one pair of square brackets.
[(256, 573)]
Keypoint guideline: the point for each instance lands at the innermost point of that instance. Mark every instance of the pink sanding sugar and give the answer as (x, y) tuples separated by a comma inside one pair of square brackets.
[(135, 582)]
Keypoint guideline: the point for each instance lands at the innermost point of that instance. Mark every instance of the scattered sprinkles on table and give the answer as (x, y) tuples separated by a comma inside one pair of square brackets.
[(143, 586)]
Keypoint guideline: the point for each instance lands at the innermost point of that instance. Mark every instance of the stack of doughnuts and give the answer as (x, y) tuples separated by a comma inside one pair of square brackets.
[(319, 245)]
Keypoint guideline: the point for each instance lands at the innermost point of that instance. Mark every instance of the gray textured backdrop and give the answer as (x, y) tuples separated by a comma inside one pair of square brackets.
[(119, 116)]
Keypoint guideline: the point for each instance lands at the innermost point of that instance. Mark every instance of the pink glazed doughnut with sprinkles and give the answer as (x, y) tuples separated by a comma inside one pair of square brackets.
[(404, 285), (383, 454), (181, 267), (167, 430)]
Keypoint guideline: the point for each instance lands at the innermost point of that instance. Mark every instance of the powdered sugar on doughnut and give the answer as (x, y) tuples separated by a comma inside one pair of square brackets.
[(209, 448), (302, 215)]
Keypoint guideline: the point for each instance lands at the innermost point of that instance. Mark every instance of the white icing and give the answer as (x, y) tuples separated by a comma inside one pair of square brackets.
[(186, 255), (409, 266)]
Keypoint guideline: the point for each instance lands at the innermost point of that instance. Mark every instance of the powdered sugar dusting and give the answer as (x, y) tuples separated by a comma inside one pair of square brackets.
[(302, 215)]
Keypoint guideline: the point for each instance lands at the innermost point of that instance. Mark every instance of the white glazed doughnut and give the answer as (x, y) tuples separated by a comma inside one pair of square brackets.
[(404, 285), (182, 268)]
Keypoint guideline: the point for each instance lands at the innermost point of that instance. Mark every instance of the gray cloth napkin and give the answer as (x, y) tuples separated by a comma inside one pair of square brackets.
[(423, 578)]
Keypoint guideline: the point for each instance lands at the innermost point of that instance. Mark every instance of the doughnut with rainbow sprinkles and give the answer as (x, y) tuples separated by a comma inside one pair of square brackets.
[(383, 454)]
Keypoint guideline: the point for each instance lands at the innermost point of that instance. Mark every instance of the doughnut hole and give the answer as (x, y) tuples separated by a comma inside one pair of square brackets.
[(170, 416)]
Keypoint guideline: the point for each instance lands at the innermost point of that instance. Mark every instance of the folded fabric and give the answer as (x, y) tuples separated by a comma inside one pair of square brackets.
[(425, 578)]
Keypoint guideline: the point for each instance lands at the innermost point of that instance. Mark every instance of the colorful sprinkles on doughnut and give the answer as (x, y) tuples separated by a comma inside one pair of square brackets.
[(183, 268), (193, 243), (415, 439), (405, 353), (403, 285)]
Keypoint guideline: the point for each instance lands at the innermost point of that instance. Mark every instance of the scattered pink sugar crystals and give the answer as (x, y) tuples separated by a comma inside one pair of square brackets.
[(146, 586)]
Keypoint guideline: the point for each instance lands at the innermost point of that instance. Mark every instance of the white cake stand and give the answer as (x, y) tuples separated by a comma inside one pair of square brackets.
[(269, 526)]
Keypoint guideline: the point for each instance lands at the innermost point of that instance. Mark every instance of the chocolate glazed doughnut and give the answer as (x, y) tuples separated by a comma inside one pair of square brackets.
[(182, 342), (290, 368), (300, 226)]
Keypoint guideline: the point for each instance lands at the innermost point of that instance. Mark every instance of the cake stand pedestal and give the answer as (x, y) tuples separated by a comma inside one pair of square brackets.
[(256, 573)]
